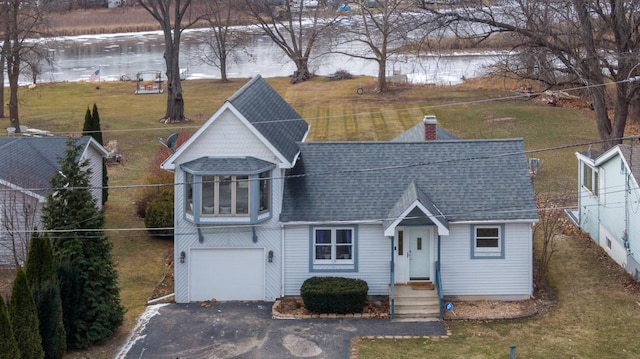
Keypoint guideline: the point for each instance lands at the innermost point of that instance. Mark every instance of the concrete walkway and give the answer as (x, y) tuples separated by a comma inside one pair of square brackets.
[(246, 330)]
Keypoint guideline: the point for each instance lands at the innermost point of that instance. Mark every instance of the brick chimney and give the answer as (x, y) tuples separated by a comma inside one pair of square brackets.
[(430, 124)]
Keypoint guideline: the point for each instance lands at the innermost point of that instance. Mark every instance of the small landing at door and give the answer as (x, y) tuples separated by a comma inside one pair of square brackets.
[(422, 285)]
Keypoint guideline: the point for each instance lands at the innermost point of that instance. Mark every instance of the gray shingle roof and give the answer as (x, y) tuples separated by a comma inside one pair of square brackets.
[(228, 165), (30, 162), (416, 134), (479, 180), (271, 115), (411, 195)]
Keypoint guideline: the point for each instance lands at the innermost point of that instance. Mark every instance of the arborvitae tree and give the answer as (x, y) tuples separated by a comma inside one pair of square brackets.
[(92, 128), (8, 341), (88, 279), (95, 125), (43, 279), (87, 127), (24, 318)]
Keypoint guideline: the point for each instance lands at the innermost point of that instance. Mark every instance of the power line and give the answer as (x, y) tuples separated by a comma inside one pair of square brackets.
[(450, 104), (361, 170), (274, 227)]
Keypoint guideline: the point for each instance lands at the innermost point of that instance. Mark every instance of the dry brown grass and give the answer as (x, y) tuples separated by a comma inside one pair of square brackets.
[(102, 21)]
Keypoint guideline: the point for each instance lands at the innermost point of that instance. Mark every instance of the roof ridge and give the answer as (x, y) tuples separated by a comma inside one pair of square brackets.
[(244, 87), (396, 143)]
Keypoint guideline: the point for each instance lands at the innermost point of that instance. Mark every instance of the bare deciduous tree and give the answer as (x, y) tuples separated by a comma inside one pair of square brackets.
[(174, 16), (223, 44), (384, 27), (550, 216), (22, 21), (593, 44), (294, 28)]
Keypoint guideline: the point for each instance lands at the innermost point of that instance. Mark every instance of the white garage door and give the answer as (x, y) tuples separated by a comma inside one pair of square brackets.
[(226, 274)]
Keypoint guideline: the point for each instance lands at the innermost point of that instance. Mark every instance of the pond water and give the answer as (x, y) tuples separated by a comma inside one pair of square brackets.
[(126, 54)]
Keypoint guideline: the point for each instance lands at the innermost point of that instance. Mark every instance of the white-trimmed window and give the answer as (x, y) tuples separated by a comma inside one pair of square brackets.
[(590, 178), (225, 195), (487, 238), (487, 241), (333, 245)]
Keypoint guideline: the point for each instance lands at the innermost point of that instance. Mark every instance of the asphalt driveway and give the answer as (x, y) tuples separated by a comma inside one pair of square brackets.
[(246, 330)]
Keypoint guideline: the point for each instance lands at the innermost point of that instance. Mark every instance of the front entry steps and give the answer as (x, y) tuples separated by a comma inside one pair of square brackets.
[(416, 303)]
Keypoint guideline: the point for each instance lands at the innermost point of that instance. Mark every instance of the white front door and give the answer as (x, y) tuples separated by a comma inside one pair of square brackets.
[(419, 253)]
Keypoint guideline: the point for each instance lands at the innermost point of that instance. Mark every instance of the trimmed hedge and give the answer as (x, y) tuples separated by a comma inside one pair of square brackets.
[(334, 295)]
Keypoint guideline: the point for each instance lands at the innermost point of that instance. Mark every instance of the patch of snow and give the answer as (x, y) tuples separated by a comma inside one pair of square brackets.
[(135, 334)]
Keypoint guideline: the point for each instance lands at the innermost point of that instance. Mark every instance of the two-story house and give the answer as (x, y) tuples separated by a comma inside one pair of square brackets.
[(258, 210)]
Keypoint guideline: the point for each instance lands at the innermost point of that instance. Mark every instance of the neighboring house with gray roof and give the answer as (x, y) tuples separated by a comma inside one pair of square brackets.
[(427, 130), (27, 165), (257, 213), (609, 202)]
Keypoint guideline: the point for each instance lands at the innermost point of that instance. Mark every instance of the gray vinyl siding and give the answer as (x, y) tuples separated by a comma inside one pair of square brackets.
[(373, 258), (227, 136), (613, 211), (634, 232), (13, 201), (508, 277), (95, 178), (268, 238), (589, 207)]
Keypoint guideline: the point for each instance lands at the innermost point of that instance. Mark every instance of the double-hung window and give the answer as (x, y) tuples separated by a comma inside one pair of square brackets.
[(333, 245), (590, 178), (487, 241)]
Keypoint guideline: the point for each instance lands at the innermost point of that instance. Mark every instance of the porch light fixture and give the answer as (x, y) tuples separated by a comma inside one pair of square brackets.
[(182, 256), (270, 257)]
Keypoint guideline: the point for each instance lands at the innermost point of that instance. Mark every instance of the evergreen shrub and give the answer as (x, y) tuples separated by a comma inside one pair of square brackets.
[(334, 295), (159, 214)]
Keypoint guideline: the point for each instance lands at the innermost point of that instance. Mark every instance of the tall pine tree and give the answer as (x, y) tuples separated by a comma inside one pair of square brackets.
[(91, 127), (8, 341), (43, 280), (24, 318), (88, 279)]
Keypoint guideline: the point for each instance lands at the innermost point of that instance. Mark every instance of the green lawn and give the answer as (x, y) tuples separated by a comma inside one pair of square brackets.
[(582, 325)]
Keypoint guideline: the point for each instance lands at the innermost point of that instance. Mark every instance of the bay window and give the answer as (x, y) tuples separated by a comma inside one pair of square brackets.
[(243, 192)]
